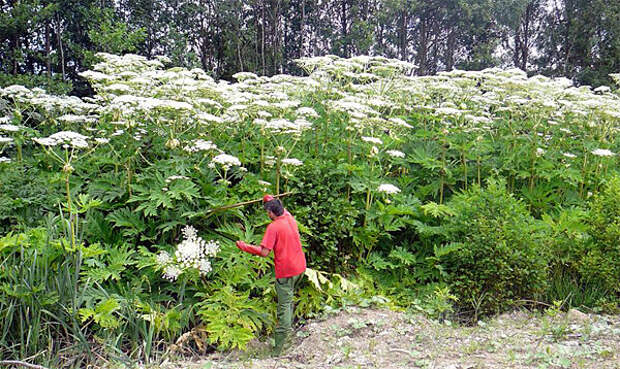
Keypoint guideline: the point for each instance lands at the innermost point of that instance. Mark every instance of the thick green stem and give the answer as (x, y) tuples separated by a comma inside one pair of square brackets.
[(368, 200), (350, 159), (464, 169), (262, 157), (278, 163), (129, 175), (71, 225), (443, 170), (583, 175), (478, 165)]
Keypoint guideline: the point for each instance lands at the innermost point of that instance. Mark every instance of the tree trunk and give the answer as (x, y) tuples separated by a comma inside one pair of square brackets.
[(450, 45), (402, 34), (343, 23), (422, 47), (301, 28), (263, 36), (48, 62), (60, 48)]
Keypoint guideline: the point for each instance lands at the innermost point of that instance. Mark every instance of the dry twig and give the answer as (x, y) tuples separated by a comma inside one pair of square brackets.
[(21, 363)]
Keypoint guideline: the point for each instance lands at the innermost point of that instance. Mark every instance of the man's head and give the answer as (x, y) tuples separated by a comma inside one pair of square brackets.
[(274, 208)]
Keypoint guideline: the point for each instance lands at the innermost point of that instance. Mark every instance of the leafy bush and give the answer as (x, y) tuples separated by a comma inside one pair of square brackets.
[(495, 258), (601, 264), (26, 193), (585, 257)]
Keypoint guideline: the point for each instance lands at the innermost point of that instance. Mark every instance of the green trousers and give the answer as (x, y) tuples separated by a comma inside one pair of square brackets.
[(285, 289)]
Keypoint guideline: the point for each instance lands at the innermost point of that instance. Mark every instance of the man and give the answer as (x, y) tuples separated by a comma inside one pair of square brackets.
[(281, 236)]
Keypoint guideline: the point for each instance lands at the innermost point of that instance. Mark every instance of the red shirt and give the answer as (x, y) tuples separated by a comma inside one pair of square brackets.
[(282, 236)]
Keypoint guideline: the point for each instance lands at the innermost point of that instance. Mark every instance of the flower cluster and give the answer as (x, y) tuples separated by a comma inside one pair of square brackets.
[(226, 161), (200, 145), (9, 127), (374, 140), (284, 125), (192, 253), (388, 189), (603, 152), (292, 161), (66, 138), (395, 153)]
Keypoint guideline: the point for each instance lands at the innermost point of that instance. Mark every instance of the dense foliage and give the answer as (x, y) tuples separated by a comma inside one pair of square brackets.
[(496, 252), (464, 193)]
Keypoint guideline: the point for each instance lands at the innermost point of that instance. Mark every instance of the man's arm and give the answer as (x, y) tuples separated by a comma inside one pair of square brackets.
[(252, 249)]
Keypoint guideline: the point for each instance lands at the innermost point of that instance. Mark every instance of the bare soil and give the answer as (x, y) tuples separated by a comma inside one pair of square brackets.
[(374, 338)]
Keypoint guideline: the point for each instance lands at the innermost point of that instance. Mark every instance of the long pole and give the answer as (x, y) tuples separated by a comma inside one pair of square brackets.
[(244, 203)]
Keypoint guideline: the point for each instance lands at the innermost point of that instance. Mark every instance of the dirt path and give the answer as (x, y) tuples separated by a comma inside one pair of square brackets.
[(369, 338)]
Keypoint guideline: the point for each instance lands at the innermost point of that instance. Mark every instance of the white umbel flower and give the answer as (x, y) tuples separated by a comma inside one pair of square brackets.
[(395, 153), (174, 178), (387, 188), (226, 161), (292, 161), (602, 152), (67, 138), (9, 128), (307, 112), (192, 253), (172, 272), (200, 145), (373, 140)]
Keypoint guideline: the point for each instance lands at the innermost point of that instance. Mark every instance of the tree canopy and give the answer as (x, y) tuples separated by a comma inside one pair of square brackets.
[(51, 41)]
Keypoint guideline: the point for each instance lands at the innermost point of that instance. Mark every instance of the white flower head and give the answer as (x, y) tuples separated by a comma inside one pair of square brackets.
[(373, 140), (163, 258), (172, 272), (400, 122), (9, 128), (189, 232), (292, 161), (66, 138), (307, 112), (174, 178), (395, 153), (603, 152), (200, 145), (387, 188), (226, 161)]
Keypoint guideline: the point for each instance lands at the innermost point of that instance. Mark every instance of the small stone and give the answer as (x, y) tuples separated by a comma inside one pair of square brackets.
[(577, 316)]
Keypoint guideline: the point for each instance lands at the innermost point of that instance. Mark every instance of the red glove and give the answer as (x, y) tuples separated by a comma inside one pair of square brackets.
[(256, 250)]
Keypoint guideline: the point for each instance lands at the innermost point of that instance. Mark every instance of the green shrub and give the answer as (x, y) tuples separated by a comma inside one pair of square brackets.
[(585, 252), (601, 262), (495, 258)]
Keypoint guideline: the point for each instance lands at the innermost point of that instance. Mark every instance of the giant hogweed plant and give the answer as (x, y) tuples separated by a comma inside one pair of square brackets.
[(179, 145)]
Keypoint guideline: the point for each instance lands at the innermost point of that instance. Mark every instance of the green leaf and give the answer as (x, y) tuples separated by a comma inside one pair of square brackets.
[(317, 278)]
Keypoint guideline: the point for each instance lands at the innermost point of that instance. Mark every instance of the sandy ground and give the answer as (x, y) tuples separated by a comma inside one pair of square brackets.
[(372, 338)]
